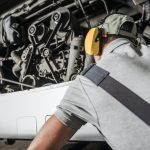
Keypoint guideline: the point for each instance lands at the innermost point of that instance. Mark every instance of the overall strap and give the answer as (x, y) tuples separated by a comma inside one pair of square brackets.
[(125, 96)]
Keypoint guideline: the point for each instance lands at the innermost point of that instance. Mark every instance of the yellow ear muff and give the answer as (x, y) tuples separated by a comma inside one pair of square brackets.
[(91, 43)]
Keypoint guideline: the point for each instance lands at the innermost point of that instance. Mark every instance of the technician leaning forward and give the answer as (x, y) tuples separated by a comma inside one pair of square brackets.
[(115, 99)]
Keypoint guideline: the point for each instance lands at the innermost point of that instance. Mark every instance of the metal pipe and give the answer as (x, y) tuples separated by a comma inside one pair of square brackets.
[(53, 7), (84, 13), (76, 47), (106, 7), (15, 82)]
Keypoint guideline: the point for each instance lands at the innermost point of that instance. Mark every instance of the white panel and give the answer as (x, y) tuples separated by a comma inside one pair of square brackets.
[(26, 126), (17, 109)]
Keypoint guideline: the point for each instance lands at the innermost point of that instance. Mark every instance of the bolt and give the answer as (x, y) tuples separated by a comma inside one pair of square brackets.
[(56, 16)]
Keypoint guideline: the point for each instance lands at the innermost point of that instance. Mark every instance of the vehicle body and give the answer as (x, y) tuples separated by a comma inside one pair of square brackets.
[(24, 112), (46, 55)]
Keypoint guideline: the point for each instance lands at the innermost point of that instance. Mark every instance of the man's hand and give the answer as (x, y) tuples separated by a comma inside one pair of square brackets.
[(52, 136)]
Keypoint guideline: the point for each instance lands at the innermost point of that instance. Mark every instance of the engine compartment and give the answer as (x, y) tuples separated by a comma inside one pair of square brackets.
[(42, 41)]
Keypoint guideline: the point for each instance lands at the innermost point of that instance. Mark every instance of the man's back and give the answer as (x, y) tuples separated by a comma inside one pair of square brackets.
[(132, 69), (87, 102), (120, 127)]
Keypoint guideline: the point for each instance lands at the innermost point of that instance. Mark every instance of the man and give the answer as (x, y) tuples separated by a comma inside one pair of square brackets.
[(87, 102)]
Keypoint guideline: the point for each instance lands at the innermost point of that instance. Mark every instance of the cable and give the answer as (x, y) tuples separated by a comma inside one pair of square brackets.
[(84, 13), (106, 7), (15, 82)]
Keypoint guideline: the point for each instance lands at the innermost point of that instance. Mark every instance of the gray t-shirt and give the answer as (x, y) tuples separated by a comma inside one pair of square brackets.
[(86, 102)]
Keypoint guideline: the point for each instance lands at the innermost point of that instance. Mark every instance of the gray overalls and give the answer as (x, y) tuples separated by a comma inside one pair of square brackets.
[(86, 102)]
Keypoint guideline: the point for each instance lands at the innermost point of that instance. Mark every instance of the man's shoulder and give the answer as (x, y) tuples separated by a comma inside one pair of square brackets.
[(125, 54)]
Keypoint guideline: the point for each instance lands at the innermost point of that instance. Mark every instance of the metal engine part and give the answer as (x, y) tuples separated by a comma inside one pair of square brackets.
[(42, 42), (137, 2), (76, 52)]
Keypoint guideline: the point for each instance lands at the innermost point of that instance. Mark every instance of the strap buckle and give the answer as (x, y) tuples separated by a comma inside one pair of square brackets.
[(95, 74)]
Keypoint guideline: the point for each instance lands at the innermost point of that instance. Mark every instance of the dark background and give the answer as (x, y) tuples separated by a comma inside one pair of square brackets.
[(23, 145), (8, 4)]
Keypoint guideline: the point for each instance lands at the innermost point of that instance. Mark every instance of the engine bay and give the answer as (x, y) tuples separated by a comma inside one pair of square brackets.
[(42, 41)]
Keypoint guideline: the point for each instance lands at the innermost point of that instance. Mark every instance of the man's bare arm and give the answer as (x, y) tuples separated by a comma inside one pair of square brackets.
[(52, 136)]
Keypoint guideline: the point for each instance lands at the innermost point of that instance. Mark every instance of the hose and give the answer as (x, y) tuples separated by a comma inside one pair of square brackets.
[(15, 82), (106, 7), (84, 13)]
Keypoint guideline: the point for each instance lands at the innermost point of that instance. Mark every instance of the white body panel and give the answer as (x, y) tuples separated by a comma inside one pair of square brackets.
[(23, 113)]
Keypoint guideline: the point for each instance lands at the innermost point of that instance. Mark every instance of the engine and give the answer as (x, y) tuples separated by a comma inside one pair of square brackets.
[(42, 41)]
